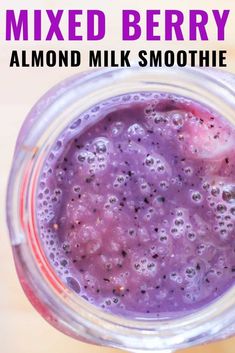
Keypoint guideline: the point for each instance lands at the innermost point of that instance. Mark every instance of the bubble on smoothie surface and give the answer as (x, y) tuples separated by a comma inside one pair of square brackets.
[(136, 205)]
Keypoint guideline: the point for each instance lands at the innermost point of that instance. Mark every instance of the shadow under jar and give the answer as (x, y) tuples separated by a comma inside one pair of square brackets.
[(121, 207)]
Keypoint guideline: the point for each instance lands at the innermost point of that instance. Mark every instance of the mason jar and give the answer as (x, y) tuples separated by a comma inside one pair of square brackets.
[(59, 108)]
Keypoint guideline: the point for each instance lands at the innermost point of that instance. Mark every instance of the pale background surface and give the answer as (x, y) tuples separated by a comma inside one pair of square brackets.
[(22, 330)]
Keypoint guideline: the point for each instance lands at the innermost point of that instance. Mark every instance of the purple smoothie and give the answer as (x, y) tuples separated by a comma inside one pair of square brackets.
[(136, 212)]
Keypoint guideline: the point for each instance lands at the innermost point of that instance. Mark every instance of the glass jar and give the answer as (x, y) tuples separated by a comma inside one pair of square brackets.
[(63, 106)]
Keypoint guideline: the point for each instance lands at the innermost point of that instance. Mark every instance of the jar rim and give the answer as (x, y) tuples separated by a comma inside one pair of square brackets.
[(30, 153)]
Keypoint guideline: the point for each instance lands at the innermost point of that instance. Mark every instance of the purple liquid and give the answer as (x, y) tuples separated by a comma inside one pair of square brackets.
[(137, 212)]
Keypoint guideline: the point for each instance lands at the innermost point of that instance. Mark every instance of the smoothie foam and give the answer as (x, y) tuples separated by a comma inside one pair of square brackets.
[(136, 212)]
